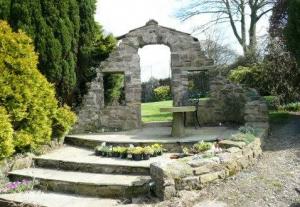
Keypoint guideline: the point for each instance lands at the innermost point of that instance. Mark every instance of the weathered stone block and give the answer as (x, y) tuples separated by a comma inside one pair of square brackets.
[(209, 177), (229, 144)]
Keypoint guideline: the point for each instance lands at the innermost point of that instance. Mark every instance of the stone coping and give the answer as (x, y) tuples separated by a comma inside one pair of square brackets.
[(194, 173)]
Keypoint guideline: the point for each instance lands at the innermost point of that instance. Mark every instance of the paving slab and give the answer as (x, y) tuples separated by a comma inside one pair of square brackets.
[(84, 160), (158, 134), (86, 184), (48, 199), (81, 177), (82, 155)]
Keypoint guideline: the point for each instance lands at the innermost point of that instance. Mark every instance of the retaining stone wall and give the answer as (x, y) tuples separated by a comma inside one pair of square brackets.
[(186, 174)]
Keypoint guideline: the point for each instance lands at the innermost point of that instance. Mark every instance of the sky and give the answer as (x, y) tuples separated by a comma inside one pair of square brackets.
[(120, 16)]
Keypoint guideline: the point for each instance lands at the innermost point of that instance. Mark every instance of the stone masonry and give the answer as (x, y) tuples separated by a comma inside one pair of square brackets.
[(186, 55), (228, 102), (187, 174)]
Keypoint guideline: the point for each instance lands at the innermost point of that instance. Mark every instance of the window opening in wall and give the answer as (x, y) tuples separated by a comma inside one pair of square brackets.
[(114, 89), (198, 84)]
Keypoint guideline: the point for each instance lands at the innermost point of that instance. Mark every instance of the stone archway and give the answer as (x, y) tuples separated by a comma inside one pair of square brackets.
[(186, 55)]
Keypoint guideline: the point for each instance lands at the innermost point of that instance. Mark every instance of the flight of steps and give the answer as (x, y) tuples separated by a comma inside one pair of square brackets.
[(76, 171)]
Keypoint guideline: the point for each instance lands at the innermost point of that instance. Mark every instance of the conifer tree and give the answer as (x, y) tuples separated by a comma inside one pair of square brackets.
[(292, 31), (66, 37)]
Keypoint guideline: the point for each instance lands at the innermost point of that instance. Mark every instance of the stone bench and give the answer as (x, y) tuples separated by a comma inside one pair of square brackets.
[(178, 129)]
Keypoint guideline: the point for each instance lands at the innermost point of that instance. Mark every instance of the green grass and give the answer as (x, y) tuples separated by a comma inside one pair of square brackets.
[(278, 116), (150, 111)]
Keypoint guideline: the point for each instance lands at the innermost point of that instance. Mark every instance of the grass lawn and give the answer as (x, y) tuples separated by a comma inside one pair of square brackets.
[(278, 116), (150, 111)]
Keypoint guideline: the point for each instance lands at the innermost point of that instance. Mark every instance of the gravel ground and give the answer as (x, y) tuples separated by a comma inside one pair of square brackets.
[(271, 182)]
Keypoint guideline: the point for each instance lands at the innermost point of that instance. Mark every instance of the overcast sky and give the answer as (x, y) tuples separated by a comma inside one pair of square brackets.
[(120, 16)]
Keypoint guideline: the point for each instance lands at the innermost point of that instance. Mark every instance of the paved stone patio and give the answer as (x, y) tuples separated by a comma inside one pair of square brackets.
[(159, 134)]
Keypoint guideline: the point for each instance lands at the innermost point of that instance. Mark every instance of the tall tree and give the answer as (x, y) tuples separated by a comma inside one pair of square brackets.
[(93, 45), (64, 33), (292, 30), (234, 12)]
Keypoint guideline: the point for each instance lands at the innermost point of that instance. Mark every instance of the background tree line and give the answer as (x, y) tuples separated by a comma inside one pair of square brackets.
[(273, 70)]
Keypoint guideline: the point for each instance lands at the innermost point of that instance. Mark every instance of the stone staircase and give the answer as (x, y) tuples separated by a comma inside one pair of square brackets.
[(75, 171), (74, 176)]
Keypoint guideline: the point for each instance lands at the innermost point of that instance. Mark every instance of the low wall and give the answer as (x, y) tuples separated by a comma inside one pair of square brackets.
[(190, 173), (230, 103)]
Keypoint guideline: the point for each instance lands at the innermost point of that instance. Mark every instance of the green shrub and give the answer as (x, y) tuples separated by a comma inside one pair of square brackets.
[(252, 77), (113, 88), (248, 130), (63, 120), (247, 138), (202, 146), (290, 107), (6, 135), (162, 93), (26, 94), (246, 75), (273, 102)]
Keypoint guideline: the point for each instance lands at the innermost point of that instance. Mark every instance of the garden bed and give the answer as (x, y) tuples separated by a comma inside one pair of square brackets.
[(199, 170)]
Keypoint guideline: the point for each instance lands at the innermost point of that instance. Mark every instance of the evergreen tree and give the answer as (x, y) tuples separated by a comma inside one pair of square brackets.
[(292, 31), (93, 48), (66, 37)]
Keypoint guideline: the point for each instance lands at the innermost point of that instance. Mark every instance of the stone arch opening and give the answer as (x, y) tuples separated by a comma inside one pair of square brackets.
[(155, 67), (186, 55)]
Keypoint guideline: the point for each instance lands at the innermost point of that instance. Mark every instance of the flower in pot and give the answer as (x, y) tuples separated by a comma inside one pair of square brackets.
[(106, 151), (147, 152), (136, 153), (98, 150), (116, 152), (123, 152), (158, 149), (120, 151)]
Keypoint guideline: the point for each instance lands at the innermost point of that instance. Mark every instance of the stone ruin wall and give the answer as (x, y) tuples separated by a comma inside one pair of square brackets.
[(186, 55), (231, 103)]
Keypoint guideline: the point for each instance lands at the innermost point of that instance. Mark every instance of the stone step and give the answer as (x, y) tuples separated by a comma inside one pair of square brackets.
[(149, 135), (71, 158), (48, 199), (86, 184)]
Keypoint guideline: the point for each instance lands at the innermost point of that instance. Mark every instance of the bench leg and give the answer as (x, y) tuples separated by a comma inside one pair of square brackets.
[(178, 129)]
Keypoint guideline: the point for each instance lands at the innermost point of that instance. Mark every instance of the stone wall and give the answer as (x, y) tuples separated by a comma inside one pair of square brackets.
[(189, 173), (229, 102), (186, 55)]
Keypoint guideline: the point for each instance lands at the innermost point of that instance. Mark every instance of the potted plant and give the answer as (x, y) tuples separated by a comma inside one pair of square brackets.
[(116, 152), (136, 153), (158, 149), (123, 152), (98, 150), (106, 151), (147, 152)]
